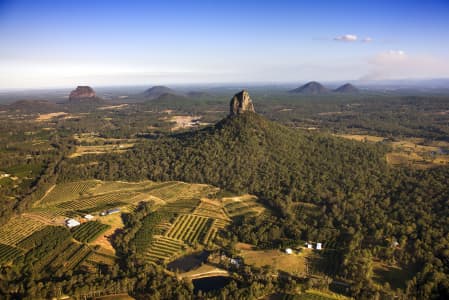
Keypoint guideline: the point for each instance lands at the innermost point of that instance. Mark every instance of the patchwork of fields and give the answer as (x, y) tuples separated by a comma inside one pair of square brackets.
[(187, 218)]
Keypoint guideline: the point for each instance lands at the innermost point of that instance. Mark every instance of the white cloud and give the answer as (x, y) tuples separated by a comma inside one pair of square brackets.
[(367, 40), (398, 64), (346, 38)]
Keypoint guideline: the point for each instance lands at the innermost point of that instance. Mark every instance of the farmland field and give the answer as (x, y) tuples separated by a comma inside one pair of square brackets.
[(8, 253), (18, 229), (89, 231), (181, 190), (164, 248), (290, 263), (99, 202), (68, 191), (212, 209), (183, 206), (190, 228), (242, 205)]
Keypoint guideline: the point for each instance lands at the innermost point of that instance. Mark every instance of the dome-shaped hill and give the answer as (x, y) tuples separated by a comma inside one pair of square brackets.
[(311, 88), (157, 91), (347, 88)]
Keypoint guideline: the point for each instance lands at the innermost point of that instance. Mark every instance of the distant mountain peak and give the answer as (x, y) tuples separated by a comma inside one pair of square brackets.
[(157, 91), (346, 88), (240, 103), (311, 88), (82, 93)]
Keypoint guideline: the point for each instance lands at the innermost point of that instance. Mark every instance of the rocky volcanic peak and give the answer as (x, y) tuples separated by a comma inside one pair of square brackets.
[(312, 88), (82, 93), (347, 88), (240, 103)]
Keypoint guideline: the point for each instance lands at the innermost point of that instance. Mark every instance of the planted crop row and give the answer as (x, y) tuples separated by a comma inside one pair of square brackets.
[(44, 236), (164, 248), (210, 210), (101, 258), (190, 228), (180, 190), (8, 253), (68, 191), (18, 229), (77, 257), (42, 256), (209, 237), (184, 206), (111, 186), (62, 257), (144, 236), (89, 231), (169, 192), (48, 213), (243, 208), (96, 201)]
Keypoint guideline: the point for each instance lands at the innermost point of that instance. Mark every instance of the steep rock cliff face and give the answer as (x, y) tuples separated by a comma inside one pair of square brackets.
[(240, 103)]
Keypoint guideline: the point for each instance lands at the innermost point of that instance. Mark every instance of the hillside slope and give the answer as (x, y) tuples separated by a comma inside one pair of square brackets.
[(248, 153)]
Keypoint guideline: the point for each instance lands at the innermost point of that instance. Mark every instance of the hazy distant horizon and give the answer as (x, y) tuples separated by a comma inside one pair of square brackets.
[(53, 44)]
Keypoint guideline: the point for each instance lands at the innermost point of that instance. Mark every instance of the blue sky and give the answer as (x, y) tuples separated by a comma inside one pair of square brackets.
[(66, 43)]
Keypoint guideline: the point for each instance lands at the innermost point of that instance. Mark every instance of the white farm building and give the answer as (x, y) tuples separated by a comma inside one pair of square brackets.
[(72, 223)]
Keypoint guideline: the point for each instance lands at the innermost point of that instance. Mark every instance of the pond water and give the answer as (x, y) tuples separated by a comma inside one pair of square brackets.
[(208, 284)]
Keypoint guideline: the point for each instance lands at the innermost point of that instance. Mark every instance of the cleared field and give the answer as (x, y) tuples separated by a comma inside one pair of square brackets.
[(242, 205), (362, 138), (112, 186), (396, 276), (217, 225), (46, 117), (291, 263), (184, 206), (68, 191), (212, 209), (89, 231), (17, 229), (190, 228), (181, 190), (99, 202), (100, 257), (163, 248), (413, 152), (116, 148), (51, 215), (9, 253), (114, 222)]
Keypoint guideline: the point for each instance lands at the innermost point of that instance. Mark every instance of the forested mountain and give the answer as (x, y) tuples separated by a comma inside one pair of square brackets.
[(311, 88), (247, 153), (361, 202)]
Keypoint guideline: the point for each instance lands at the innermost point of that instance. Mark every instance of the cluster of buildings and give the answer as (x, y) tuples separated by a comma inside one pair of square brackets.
[(308, 245), (70, 223)]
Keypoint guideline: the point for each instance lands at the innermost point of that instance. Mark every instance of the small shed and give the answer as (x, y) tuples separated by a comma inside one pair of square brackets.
[(72, 223), (88, 217), (318, 246), (289, 251)]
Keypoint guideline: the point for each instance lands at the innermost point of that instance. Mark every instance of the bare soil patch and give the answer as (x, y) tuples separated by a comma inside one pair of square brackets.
[(46, 117)]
